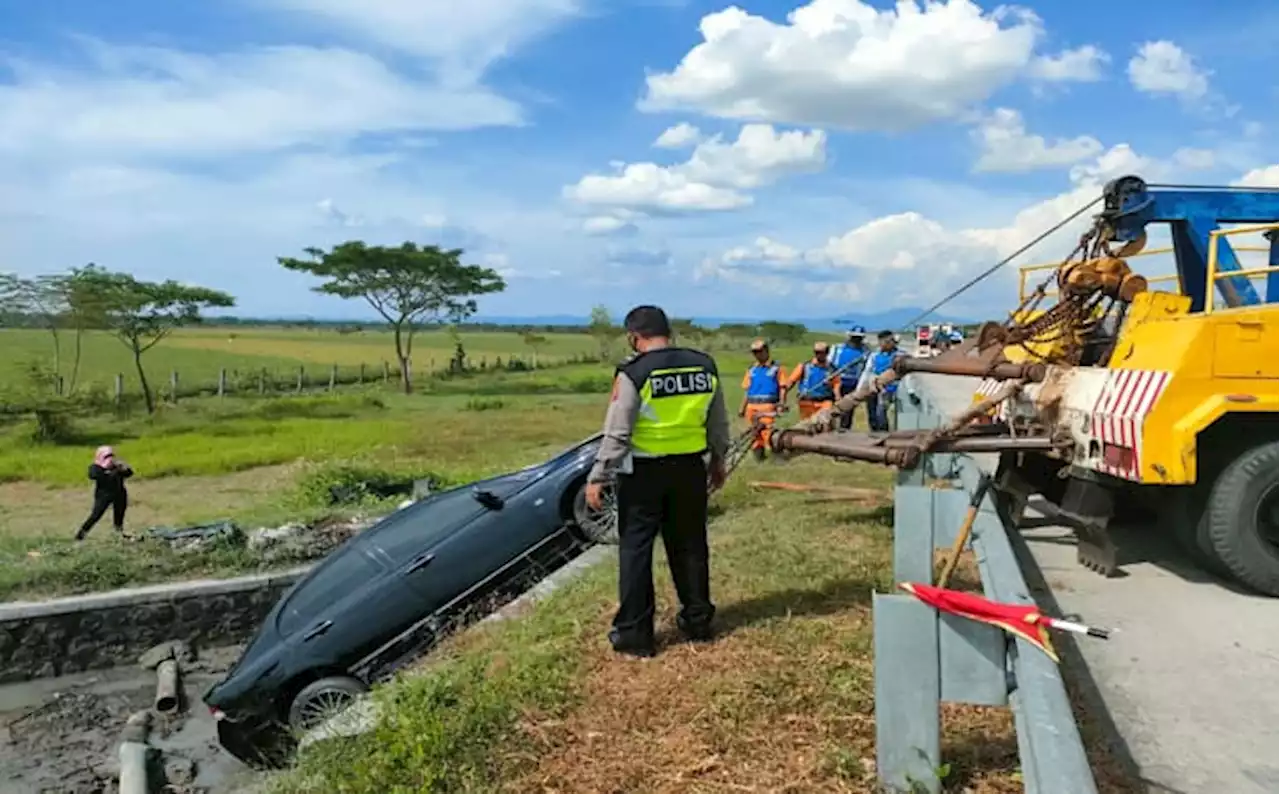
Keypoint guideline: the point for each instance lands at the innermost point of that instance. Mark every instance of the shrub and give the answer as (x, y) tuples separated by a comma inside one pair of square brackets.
[(350, 483), (484, 404)]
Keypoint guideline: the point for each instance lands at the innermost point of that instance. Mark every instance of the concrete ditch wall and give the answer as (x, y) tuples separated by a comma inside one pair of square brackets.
[(66, 635)]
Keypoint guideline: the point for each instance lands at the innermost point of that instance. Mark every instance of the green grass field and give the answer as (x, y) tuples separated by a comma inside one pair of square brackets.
[(198, 354), (781, 702), (242, 458)]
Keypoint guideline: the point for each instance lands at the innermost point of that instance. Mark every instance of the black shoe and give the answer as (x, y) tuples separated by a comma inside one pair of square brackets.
[(698, 632), (641, 648)]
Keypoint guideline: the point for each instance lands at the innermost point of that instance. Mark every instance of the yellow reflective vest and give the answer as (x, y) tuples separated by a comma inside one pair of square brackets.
[(676, 387)]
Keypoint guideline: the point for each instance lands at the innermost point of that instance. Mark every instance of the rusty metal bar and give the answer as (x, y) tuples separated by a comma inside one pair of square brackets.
[(1032, 372), (900, 450)]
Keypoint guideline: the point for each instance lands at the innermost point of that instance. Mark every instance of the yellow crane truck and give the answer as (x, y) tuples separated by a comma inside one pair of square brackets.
[(1115, 397)]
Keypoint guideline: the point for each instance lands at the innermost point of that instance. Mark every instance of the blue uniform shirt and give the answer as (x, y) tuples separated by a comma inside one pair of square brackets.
[(851, 359)]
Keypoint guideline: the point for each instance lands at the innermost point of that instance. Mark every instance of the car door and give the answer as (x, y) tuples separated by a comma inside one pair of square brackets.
[(418, 544), (528, 513), (348, 607)]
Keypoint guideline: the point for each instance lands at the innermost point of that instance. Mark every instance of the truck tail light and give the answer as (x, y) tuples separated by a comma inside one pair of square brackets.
[(1117, 457)]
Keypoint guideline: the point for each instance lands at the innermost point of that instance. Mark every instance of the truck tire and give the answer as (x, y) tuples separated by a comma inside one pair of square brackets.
[(1240, 519), (1185, 509)]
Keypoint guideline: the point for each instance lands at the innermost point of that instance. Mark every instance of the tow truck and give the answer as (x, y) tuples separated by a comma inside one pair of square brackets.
[(1102, 394)]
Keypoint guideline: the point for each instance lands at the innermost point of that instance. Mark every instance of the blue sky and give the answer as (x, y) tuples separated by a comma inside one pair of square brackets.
[(768, 159)]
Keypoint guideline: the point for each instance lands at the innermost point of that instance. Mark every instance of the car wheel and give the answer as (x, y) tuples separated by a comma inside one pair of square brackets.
[(599, 526), (323, 700)]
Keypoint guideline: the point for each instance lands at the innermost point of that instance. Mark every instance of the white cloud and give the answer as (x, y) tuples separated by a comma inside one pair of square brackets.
[(336, 216), (678, 137), (464, 38), (1162, 67), (149, 102), (712, 179), (1192, 159), (1081, 65), (1266, 176), (605, 225), (843, 63), (1006, 146), (910, 259)]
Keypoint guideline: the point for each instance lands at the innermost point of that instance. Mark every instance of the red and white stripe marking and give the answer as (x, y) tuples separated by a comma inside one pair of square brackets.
[(1126, 399)]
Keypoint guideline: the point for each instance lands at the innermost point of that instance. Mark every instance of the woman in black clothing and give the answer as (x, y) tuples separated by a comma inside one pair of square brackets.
[(108, 475)]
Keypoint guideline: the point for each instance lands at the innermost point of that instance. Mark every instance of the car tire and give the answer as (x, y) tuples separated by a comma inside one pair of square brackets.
[(322, 700), (1240, 519), (597, 527)]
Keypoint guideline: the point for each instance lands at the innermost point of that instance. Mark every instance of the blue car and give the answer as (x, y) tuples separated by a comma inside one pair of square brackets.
[(388, 594)]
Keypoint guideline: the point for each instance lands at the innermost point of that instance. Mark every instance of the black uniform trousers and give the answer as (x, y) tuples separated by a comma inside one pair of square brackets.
[(118, 501), (666, 496)]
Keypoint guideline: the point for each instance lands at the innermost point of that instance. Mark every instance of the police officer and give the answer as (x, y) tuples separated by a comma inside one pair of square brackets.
[(666, 412)]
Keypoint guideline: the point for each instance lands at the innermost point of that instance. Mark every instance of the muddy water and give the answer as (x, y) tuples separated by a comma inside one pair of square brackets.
[(61, 734)]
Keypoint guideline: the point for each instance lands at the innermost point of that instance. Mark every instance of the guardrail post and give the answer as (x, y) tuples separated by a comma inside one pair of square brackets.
[(923, 659)]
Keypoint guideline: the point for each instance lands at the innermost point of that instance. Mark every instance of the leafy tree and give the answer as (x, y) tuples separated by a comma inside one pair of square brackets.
[(142, 313), (59, 302), (601, 327), (408, 285)]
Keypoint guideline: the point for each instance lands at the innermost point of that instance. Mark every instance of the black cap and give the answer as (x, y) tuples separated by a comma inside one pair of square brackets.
[(647, 322)]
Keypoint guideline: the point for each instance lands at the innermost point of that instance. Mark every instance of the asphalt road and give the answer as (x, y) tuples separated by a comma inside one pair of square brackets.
[(1189, 677)]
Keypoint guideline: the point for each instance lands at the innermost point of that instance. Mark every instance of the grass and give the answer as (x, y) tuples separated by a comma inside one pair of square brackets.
[(242, 458), (782, 701)]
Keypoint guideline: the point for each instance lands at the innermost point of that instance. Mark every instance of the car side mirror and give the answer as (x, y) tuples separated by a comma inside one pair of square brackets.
[(489, 499)]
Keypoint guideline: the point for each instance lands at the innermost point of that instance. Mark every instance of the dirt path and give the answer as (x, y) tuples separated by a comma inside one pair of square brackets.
[(33, 509)]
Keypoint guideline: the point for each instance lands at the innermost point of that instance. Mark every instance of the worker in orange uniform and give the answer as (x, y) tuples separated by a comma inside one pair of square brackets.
[(765, 391), (815, 381)]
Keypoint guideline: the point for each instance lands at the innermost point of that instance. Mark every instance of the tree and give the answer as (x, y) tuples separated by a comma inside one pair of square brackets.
[(535, 342), (83, 310), (142, 313), (602, 328), (408, 285), (11, 314), (57, 303)]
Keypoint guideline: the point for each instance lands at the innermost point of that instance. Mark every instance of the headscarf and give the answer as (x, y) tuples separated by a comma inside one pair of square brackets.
[(103, 456)]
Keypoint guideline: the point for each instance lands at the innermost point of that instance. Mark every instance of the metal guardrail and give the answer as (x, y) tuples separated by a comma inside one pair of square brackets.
[(924, 658)]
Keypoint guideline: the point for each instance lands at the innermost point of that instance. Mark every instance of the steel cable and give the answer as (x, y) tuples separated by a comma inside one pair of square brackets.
[(984, 274)]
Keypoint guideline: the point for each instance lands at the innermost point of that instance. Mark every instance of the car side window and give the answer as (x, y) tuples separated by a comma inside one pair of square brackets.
[(415, 529), (342, 574)]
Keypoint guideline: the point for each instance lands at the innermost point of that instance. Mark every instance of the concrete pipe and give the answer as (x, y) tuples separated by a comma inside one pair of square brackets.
[(167, 686), (133, 768)]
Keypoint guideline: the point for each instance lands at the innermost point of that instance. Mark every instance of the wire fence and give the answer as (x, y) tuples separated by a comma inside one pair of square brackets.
[(124, 388)]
